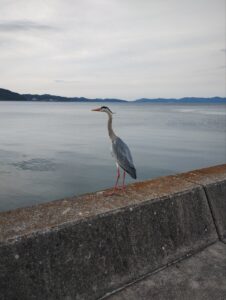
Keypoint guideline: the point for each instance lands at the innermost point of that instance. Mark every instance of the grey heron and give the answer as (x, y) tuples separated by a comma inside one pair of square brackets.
[(120, 151)]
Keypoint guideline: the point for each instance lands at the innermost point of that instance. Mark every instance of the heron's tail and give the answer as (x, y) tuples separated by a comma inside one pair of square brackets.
[(132, 172)]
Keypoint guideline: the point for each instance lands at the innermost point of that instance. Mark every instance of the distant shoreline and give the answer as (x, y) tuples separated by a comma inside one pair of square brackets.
[(221, 102), (7, 95)]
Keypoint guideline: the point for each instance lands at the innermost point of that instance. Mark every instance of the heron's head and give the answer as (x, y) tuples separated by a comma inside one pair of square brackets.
[(103, 109)]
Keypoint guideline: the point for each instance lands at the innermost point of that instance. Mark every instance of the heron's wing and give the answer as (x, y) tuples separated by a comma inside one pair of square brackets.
[(123, 156)]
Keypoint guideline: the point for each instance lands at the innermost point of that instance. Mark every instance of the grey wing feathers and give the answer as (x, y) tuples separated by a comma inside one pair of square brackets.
[(123, 156)]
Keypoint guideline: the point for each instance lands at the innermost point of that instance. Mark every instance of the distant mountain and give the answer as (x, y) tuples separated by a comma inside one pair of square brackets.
[(53, 98), (6, 95), (183, 100)]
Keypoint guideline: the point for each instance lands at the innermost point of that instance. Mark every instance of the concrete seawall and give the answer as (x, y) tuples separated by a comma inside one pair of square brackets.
[(88, 246)]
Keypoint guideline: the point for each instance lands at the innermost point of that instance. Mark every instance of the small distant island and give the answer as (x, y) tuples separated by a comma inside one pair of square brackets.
[(7, 95)]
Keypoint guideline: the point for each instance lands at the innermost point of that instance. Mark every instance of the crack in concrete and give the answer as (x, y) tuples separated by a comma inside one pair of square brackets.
[(185, 257), (210, 207)]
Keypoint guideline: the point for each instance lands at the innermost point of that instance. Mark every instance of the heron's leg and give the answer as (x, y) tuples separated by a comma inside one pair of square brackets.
[(117, 178), (113, 191), (123, 182)]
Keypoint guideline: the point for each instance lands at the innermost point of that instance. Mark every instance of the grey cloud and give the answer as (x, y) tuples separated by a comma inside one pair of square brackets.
[(66, 81), (3, 43), (23, 25)]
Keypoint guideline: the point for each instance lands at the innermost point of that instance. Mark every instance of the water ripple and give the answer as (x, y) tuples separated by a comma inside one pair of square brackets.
[(36, 164)]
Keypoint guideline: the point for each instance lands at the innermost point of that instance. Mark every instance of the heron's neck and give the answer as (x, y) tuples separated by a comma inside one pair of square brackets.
[(110, 130)]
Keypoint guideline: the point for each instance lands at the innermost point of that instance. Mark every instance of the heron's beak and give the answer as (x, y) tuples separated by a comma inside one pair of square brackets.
[(96, 109)]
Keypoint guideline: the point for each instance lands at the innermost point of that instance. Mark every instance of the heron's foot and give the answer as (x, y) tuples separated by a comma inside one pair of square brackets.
[(121, 188), (116, 191), (109, 193)]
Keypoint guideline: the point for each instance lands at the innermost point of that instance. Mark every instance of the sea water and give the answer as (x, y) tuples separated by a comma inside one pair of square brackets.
[(52, 150)]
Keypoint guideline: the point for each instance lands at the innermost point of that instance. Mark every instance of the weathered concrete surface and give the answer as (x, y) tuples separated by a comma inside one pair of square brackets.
[(213, 181), (200, 277), (84, 247), (216, 194)]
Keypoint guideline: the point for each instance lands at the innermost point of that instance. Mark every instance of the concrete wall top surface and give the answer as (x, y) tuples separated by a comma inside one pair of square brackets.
[(207, 175)]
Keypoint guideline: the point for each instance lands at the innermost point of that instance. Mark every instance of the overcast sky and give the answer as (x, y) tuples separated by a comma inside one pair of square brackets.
[(124, 49)]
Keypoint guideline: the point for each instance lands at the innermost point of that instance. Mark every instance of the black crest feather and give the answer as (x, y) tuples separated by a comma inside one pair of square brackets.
[(105, 107)]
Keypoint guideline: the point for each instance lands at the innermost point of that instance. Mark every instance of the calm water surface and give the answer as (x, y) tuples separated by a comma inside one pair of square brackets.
[(54, 150)]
